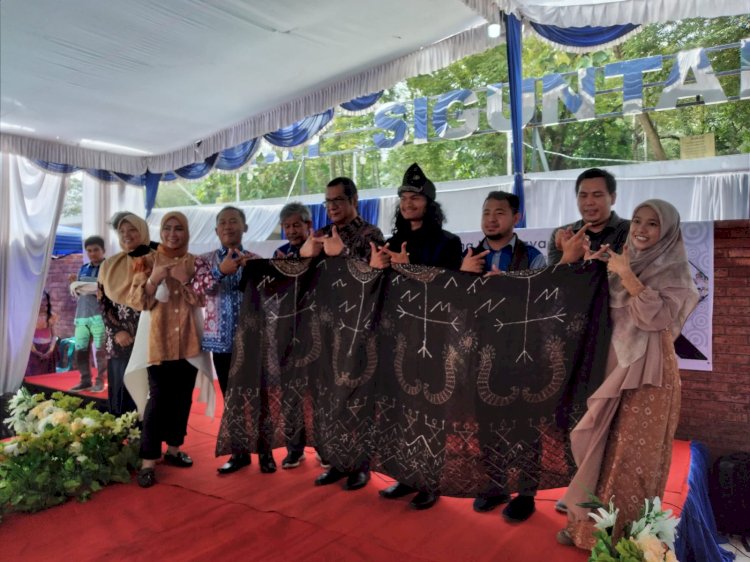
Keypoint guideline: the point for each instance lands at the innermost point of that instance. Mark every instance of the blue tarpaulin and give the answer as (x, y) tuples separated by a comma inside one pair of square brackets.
[(67, 241)]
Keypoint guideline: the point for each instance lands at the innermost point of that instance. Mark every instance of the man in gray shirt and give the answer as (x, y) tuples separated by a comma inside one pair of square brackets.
[(596, 191)]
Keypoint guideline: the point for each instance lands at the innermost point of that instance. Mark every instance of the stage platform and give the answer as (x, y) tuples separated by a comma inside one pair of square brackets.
[(195, 514), (63, 381)]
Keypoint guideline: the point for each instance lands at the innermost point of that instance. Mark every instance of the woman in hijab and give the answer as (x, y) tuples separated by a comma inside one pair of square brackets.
[(171, 345), (623, 444), (120, 320)]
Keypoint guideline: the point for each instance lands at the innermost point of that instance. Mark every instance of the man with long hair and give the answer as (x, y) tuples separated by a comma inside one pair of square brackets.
[(418, 238)]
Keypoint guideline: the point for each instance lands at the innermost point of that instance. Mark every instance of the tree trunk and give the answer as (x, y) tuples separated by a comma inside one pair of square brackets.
[(654, 142)]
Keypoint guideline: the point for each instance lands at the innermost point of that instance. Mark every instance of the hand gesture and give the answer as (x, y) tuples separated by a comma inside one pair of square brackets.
[(400, 257), (573, 246), (333, 245), (562, 235), (231, 263), (380, 258), (495, 271), (312, 246), (180, 273), (474, 263), (620, 263), (160, 273), (602, 254)]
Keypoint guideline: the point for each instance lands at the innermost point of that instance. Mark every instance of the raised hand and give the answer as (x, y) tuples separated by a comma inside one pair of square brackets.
[(312, 246), (179, 272), (620, 263), (231, 263), (562, 235), (380, 257), (474, 263), (399, 257), (573, 247), (495, 271), (333, 245)]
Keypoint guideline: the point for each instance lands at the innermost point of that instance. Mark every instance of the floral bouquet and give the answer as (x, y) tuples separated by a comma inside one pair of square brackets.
[(649, 539), (62, 450)]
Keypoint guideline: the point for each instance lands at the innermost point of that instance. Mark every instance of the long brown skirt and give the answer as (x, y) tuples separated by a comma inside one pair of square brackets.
[(639, 451)]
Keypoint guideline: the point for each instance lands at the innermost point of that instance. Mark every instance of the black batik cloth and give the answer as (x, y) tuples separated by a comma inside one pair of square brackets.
[(444, 380)]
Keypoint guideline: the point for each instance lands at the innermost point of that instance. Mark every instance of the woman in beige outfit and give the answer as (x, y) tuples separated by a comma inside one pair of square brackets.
[(623, 444)]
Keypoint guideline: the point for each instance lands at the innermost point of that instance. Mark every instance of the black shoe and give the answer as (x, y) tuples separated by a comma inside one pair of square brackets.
[(81, 387), (330, 476), (324, 464), (519, 509), (98, 387), (146, 477), (179, 459), (235, 462), (483, 504), (397, 490), (424, 500), (357, 480), (293, 459), (267, 464)]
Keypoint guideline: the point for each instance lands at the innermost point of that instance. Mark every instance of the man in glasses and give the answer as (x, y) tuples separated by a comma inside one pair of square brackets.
[(349, 234)]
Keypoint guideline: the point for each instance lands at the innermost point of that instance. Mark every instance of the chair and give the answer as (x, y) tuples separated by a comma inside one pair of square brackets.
[(67, 348)]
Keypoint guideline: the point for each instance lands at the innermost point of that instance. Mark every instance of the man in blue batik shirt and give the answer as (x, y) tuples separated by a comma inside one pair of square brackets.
[(217, 275)]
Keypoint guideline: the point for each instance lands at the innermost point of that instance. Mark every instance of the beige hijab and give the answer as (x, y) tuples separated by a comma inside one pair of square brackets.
[(116, 273), (663, 265), (182, 250)]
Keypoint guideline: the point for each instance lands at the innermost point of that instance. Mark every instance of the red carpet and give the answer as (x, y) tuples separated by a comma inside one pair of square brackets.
[(194, 514)]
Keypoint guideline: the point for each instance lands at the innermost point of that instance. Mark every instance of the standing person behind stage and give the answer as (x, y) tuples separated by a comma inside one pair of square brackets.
[(419, 238), (296, 223), (623, 444), (349, 235), (596, 192), (162, 285), (45, 353), (120, 320), (88, 321), (501, 250), (217, 275)]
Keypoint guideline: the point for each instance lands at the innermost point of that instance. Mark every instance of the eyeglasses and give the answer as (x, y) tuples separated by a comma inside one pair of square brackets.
[(336, 201)]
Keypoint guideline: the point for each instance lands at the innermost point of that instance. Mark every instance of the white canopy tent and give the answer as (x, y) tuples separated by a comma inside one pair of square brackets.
[(140, 85)]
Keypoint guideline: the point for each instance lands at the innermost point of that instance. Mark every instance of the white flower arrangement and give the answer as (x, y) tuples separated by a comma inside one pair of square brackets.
[(649, 539), (62, 450)]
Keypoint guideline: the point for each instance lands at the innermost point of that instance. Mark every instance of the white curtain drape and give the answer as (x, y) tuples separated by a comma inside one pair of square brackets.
[(30, 205), (262, 220), (100, 201)]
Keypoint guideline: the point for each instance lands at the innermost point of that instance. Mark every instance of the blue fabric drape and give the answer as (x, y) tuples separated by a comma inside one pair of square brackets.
[(368, 209), (513, 48), (197, 170), (586, 36), (55, 167), (237, 156), (362, 102), (697, 538), (301, 131)]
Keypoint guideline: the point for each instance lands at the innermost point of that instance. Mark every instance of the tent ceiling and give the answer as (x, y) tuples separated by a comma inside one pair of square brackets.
[(139, 84), (145, 78)]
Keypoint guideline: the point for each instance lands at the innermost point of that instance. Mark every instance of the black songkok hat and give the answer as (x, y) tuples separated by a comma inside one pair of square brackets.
[(416, 182)]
